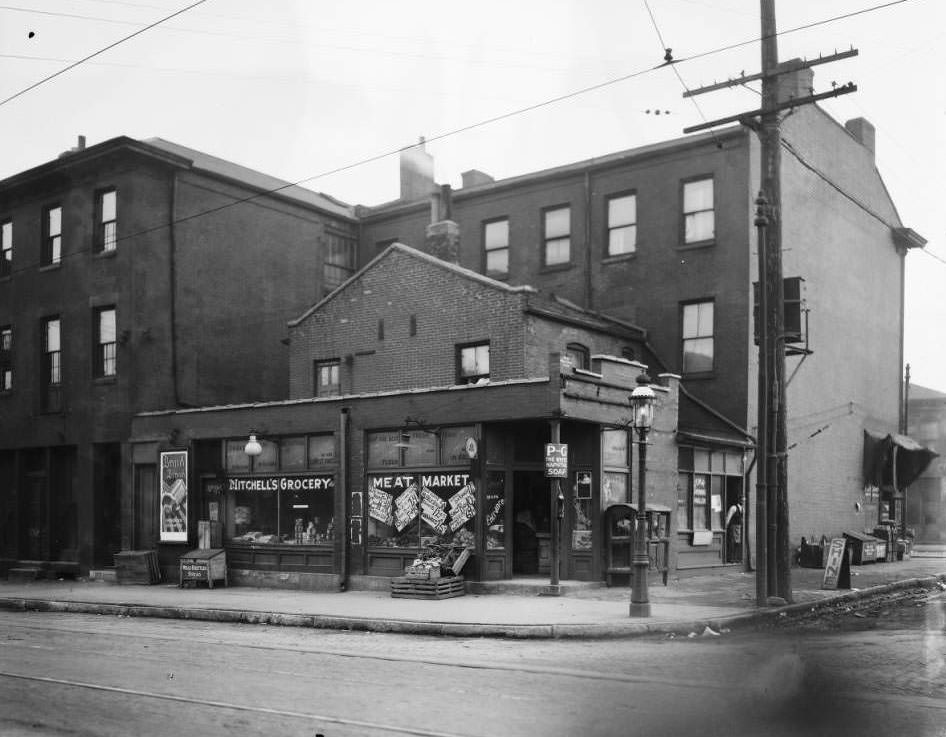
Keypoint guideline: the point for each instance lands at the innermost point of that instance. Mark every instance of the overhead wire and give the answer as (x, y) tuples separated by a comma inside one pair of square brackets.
[(100, 51), (435, 137)]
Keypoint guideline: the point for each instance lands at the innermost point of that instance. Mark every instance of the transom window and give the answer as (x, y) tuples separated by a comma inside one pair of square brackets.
[(327, 378), (6, 248), (699, 221), (473, 363), (557, 235), (496, 247), (697, 337), (52, 236), (622, 225), (105, 342), (106, 236)]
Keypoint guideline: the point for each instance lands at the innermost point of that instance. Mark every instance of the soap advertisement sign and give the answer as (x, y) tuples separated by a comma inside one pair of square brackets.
[(174, 497)]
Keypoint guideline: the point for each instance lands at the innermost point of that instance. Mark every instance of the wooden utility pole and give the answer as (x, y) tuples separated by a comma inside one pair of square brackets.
[(773, 540)]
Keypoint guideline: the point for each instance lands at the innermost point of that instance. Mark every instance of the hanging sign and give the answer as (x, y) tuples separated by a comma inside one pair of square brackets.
[(837, 569), (173, 519), (556, 460)]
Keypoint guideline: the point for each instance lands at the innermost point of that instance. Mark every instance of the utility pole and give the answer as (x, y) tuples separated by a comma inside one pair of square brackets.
[(773, 541)]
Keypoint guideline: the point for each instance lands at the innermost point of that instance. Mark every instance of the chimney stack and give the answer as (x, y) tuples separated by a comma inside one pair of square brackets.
[(474, 177), (794, 80), (863, 132), (417, 172)]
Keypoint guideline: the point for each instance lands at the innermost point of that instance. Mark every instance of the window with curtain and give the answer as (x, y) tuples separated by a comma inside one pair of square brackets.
[(699, 220)]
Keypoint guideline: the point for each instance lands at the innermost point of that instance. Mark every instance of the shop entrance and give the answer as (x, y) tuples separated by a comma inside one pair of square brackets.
[(531, 523)]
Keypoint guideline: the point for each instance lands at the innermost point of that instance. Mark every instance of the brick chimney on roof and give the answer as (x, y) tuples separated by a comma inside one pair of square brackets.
[(863, 132), (417, 173), (794, 80)]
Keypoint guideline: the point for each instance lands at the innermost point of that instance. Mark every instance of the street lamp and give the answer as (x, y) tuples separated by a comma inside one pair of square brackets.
[(252, 447), (642, 401)]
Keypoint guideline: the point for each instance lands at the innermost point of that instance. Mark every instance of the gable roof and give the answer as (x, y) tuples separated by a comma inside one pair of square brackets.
[(547, 306)]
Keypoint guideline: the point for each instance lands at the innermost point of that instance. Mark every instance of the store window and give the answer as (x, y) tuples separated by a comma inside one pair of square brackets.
[(420, 489), (283, 496), (622, 225), (495, 511), (710, 482), (496, 248), (582, 511), (556, 232), (616, 467), (699, 220)]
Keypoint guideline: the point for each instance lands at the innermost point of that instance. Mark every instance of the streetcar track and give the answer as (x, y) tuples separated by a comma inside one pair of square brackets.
[(596, 675), (262, 710)]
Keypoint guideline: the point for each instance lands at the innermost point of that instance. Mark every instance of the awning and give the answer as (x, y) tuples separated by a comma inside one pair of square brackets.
[(894, 460)]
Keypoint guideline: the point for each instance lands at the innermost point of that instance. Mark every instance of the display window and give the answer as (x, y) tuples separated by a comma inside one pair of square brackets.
[(422, 491), (711, 481), (582, 514), (283, 496), (495, 510)]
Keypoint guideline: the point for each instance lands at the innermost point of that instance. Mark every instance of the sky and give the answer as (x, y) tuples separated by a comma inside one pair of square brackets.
[(326, 93)]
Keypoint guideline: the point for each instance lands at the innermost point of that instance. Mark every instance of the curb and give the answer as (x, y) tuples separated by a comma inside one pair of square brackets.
[(629, 629)]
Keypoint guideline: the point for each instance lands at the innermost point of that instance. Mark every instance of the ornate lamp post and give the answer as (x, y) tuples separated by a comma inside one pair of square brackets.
[(642, 401)]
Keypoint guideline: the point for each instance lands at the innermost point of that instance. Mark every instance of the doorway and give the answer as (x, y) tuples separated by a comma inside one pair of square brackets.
[(531, 510)]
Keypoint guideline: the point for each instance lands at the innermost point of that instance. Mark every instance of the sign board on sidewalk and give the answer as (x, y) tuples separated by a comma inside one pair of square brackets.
[(837, 569), (556, 460)]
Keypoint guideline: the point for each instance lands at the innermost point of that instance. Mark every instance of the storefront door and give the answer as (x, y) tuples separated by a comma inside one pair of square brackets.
[(531, 540)]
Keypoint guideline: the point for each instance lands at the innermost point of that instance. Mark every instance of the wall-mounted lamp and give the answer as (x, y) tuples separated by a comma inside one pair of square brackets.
[(252, 447)]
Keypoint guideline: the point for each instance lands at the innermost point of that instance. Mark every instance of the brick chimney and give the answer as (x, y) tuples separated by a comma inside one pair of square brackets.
[(863, 132), (417, 172), (794, 81), (474, 177), (443, 234)]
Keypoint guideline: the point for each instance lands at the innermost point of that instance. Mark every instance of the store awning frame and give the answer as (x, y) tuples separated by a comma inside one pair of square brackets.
[(894, 460)]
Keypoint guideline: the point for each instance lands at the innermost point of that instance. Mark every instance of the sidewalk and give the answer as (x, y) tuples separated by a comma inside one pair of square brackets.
[(720, 600)]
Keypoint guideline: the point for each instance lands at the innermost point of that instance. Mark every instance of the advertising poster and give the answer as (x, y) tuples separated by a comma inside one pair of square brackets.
[(174, 497)]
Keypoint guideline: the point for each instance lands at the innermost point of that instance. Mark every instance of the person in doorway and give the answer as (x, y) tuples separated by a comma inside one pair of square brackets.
[(734, 533)]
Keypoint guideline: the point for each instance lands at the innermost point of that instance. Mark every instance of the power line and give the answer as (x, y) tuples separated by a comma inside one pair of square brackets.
[(100, 51), (436, 137)]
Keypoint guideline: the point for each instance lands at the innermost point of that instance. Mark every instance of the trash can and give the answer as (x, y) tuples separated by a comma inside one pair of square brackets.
[(863, 547)]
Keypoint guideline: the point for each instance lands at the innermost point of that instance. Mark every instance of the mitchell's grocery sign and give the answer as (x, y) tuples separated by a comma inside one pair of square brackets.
[(309, 482)]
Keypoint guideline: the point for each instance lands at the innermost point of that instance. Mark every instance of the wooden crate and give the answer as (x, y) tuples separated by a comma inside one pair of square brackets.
[(137, 566), (436, 588)]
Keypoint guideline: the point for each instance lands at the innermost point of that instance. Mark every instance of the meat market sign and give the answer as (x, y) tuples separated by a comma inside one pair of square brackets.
[(307, 482)]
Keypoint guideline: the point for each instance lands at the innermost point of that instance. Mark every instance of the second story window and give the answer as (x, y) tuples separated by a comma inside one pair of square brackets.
[(52, 236), (496, 247), (106, 221), (699, 221), (622, 225), (697, 337), (6, 248), (339, 262), (473, 363), (105, 363), (327, 382), (578, 356), (51, 378), (556, 234), (6, 358)]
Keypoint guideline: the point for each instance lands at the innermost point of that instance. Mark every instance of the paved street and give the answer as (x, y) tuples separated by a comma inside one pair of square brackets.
[(93, 675)]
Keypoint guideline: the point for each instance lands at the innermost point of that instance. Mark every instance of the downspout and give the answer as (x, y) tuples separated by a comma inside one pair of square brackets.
[(341, 529), (172, 280)]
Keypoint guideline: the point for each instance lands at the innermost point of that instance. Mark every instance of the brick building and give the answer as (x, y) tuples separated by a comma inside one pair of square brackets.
[(124, 277), (664, 236), (422, 397), (926, 496)]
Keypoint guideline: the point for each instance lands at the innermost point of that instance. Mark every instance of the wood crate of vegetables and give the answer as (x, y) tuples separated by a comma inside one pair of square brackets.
[(437, 588)]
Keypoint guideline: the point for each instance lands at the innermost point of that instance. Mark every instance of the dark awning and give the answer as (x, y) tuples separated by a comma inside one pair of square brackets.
[(894, 460)]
